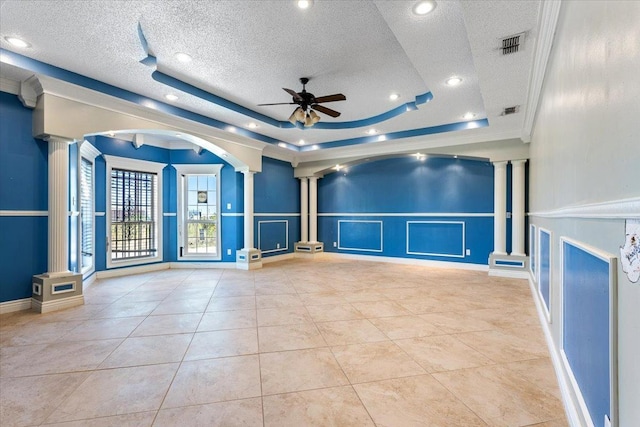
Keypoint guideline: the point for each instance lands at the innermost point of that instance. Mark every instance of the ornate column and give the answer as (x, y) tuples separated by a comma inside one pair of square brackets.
[(248, 258), (309, 198), (58, 288), (500, 208), (304, 210), (517, 200)]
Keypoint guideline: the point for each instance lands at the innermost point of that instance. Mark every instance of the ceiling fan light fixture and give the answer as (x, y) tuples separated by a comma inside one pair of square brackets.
[(300, 115), (422, 8)]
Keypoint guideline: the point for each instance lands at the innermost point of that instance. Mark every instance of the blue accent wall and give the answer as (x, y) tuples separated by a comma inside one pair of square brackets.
[(545, 267), (276, 191), (23, 187), (436, 189)]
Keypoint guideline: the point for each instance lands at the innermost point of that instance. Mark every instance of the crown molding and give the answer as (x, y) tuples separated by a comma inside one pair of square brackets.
[(9, 86), (548, 19)]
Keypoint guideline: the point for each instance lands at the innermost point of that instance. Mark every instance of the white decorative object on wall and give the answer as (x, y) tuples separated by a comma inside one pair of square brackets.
[(630, 252)]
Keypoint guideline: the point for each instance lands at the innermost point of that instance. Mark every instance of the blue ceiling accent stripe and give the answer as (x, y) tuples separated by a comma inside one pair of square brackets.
[(143, 40), (401, 109), (207, 96), (402, 134), (38, 67)]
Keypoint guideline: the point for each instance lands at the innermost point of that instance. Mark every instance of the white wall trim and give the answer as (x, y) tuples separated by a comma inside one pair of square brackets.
[(286, 236), (55, 305), (9, 86), (613, 209), (464, 247), (23, 213), (232, 214), (569, 409), (15, 305), (409, 261), (169, 214), (100, 213), (402, 214)]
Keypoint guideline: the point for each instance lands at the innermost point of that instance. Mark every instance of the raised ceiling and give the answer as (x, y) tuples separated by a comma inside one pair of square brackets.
[(244, 53)]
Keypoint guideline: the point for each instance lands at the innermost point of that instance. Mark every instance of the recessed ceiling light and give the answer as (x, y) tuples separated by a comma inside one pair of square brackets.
[(337, 167), (252, 125), (315, 147), (372, 131), (424, 7), (301, 142), (14, 41), (304, 4), (282, 144), (454, 81), (111, 134), (230, 128), (183, 57), (468, 116), (171, 97), (394, 96)]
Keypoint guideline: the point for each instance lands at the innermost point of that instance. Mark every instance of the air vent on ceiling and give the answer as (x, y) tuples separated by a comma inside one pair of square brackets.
[(510, 110), (512, 44)]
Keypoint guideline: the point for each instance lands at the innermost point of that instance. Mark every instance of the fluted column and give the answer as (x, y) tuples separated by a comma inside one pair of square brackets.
[(58, 247), (517, 200), (248, 209), (304, 209), (313, 209), (500, 208)]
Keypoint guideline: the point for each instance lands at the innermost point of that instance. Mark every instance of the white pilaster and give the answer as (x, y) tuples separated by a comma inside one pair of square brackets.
[(58, 248), (500, 208), (313, 209), (517, 200), (248, 210), (304, 210)]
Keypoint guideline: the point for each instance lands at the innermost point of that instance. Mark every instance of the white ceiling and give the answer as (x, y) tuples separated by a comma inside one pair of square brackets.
[(247, 51)]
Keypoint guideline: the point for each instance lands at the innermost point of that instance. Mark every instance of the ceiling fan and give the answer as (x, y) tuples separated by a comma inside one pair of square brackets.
[(308, 105)]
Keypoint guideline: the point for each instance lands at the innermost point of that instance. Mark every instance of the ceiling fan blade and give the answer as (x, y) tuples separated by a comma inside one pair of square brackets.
[(293, 93), (325, 110), (277, 103), (331, 98)]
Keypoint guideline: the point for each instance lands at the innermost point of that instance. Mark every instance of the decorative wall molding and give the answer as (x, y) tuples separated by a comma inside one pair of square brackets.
[(55, 305), (281, 257), (189, 264), (169, 214), (275, 214), (462, 235), (9, 86), (346, 248), (23, 213), (232, 214), (286, 236), (614, 209), (403, 214), (124, 271), (15, 305)]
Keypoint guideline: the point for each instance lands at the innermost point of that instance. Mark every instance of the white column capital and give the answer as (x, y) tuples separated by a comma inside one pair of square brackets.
[(501, 164), (519, 162)]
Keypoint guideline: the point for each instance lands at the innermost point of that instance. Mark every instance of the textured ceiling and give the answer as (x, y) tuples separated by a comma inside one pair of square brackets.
[(247, 51)]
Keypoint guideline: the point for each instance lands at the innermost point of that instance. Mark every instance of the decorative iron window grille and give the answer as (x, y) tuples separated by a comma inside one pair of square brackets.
[(133, 214)]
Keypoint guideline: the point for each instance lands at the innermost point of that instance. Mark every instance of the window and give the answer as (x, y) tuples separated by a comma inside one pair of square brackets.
[(86, 196), (198, 211), (134, 211)]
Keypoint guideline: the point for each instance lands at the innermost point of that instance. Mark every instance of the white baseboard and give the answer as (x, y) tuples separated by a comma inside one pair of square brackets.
[(49, 306), (202, 265), (125, 271), (276, 258), (410, 261), (15, 305), (522, 274), (565, 391)]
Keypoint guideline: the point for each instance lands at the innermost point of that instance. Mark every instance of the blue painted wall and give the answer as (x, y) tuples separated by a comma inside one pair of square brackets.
[(277, 192), (545, 267), (23, 187), (407, 187)]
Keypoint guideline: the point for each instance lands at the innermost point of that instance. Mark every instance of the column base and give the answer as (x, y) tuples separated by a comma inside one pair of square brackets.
[(52, 293), (308, 247), (248, 259), (504, 265)]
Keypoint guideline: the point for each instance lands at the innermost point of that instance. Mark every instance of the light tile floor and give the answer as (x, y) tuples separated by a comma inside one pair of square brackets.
[(297, 343)]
